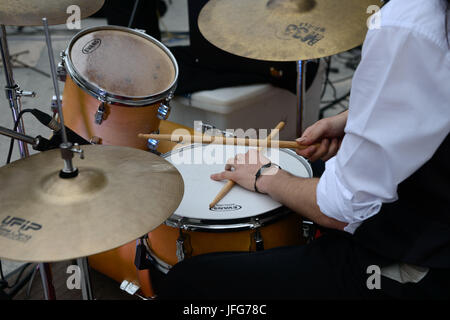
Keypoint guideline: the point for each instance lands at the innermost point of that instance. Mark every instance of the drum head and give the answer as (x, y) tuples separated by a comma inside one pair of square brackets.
[(197, 162), (122, 62)]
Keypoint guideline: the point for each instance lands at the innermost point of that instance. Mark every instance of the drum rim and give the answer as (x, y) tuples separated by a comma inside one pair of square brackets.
[(111, 98), (221, 225)]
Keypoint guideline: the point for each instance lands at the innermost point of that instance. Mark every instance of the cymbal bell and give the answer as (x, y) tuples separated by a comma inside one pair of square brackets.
[(31, 12), (285, 30), (119, 195)]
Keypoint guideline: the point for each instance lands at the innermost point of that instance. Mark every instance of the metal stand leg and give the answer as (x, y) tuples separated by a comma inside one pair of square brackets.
[(301, 69), (13, 92), (47, 283), (86, 288)]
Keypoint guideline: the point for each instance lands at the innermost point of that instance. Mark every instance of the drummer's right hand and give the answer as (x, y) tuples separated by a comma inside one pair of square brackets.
[(242, 169), (329, 132)]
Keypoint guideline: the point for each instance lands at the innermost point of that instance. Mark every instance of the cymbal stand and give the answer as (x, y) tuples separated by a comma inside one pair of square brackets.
[(86, 289), (301, 71), (13, 91), (67, 153), (47, 281), (67, 149)]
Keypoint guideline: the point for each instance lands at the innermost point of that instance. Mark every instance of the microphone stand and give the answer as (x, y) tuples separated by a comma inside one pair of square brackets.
[(13, 91), (38, 143)]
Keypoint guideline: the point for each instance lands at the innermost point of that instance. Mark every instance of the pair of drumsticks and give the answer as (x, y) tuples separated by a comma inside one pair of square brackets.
[(261, 143)]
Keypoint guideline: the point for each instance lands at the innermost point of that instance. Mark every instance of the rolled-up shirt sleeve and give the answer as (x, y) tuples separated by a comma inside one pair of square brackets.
[(399, 114)]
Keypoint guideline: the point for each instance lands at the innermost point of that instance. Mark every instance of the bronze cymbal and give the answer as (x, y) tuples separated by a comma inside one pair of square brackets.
[(31, 12), (119, 195), (285, 30)]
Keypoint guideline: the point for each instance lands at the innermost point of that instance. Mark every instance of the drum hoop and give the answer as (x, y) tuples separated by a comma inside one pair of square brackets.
[(108, 97), (208, 225)]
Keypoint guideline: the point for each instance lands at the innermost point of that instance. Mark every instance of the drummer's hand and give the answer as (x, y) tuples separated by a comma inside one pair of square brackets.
[(242, 169), (329, 132)]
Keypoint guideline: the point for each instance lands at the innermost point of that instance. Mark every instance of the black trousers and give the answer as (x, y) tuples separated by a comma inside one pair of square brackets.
[(330, 267)]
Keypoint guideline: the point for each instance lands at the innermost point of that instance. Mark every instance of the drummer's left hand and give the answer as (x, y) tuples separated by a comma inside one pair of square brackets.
[(242, 169)]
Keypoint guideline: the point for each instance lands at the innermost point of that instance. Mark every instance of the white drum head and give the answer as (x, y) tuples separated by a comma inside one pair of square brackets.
[(122, 62), (197, 162)]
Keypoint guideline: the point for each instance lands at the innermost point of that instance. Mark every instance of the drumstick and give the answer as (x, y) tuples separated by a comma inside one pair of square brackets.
[(229, 185), (228, 141)]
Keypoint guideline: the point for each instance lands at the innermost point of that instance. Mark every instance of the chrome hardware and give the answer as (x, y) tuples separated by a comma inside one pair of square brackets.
[(309, 230), (54, 105), (30, 94), (164, 111), (259, 242), (140, 30), (67, 152), (100, 114), (17, 92), (213, 131), (132, 289), (129, 287), (61, 72), (180, 248), (152, 144), (183, 246), (77, 149)]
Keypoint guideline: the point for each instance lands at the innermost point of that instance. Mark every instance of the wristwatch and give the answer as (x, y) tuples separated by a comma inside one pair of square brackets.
[(261, 172)]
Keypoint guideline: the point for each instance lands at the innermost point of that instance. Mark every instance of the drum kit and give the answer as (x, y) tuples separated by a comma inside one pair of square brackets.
[(118, 83)]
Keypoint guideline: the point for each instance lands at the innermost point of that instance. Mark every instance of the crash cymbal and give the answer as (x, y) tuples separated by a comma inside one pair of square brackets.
[(119, 195), (285, 30), (31, 12)]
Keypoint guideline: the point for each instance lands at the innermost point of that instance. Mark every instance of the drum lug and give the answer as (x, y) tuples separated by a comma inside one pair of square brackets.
[(180, 249), (100, 114), (61, 72), (309, 230), (259, 241), (152, 144), (183, 247), (164, 111)]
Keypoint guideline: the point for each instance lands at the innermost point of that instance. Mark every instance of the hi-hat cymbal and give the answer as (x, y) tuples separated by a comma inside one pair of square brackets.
[(119, 195), (285, 30), (31, 12)]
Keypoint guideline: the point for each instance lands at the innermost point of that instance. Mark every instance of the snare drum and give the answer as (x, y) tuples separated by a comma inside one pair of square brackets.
[(120, 84), (242, 221)]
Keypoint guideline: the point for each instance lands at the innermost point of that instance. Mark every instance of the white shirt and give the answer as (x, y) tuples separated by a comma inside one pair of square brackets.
[(399, 111)]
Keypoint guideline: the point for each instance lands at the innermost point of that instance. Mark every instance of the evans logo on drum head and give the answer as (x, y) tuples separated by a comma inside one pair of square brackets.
[(226, 207), (91, 46)]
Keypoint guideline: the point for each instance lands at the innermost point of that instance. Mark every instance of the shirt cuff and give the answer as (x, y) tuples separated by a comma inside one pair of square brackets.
[(337, 202)]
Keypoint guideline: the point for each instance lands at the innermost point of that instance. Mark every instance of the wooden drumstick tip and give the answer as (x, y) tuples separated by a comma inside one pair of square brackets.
[(222, 193)]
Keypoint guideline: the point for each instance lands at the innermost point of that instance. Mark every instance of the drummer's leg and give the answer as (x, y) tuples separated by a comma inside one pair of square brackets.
[(329, 267)]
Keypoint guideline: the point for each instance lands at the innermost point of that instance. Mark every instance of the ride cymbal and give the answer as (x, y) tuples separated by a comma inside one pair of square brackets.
[(285, 30), (119, 195), (31, 12)]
